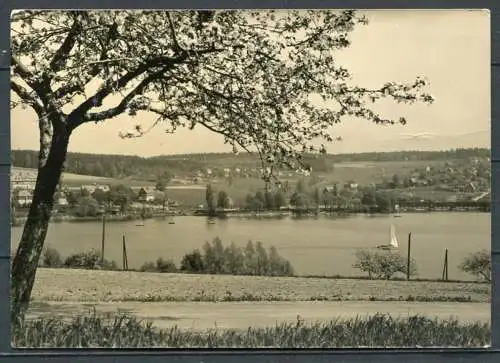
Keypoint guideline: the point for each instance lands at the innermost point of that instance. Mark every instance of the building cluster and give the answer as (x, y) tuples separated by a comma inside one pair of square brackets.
[(211, 174)]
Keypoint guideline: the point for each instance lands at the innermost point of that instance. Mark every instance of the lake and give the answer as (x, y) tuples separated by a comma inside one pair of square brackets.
[(315, 246)]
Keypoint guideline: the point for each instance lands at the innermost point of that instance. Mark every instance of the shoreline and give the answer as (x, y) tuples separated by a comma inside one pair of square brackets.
[(19, 221)]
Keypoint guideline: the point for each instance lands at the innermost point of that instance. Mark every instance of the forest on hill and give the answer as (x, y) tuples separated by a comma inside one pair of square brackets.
[(121, 166)]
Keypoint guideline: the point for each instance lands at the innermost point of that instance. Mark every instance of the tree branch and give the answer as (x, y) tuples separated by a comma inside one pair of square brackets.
[(41, 90), (177, 47), (27, 77), (27, 97), (95, 67), (96, 99), (62, 53), (122, 106), (78, 117)]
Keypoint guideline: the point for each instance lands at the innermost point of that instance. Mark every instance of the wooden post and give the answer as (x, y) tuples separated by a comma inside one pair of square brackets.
[(446, 264), (409, 258), (125, 259), (103, 238), (444, 277)]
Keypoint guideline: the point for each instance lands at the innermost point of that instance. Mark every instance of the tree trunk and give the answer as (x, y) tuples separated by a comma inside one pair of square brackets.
[(32, 241)]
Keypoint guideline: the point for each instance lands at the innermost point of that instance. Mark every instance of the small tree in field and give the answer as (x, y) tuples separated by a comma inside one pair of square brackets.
[(246, 75), (383, 265), (478, 264)]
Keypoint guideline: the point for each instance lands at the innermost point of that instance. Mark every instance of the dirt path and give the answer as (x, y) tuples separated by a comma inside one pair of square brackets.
[(200, 316)]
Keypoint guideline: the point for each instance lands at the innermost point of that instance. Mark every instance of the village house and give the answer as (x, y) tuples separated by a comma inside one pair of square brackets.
[(24, 198), (470, 187), (91, 188), (352, 185), (62, 201), (148, 195)]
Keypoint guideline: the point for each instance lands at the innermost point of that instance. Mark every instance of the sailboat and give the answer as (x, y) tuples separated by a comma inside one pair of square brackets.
[(393, 240), (397, 214)]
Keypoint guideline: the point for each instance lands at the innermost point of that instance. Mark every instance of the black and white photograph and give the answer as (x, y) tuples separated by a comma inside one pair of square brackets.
[(250, 178)]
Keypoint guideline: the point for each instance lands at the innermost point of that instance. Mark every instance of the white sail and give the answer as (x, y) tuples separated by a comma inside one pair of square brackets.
[(393, 238)]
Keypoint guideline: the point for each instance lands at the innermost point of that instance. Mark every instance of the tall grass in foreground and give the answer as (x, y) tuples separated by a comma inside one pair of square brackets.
[(116, 331)]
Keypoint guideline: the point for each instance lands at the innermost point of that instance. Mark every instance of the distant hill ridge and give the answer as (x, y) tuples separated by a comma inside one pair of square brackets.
[(113, 166)]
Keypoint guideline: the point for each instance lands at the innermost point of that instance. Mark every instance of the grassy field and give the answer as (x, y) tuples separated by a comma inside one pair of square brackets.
[(365, 173), (120, 331), (70, 179), (94, 286), (362, 173)]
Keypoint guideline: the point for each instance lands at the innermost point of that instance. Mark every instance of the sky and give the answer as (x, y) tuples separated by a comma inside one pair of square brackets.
[(451, 48)]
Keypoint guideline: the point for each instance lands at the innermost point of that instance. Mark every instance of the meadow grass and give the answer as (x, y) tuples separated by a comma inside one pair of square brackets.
[(121, 331), (113, 286)]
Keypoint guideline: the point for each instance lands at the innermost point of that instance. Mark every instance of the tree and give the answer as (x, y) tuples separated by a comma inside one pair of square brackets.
[(395, 181), (383, 265), (100, 196), (87, 206), (301, 186), (218, 255), (262, 259), (299, 200), (279, 199), (234, 259), (72, 198), (122, 196), (227, 71), (250, 258), (160, 185), (269, 200), (384, 202), (317, 197), (260, 198), (162, 181), (193, 262), (369, 197), (222, 199), (478, 264), (209, 198)]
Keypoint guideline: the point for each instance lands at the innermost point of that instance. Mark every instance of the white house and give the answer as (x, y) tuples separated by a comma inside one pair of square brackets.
[(24, 198)]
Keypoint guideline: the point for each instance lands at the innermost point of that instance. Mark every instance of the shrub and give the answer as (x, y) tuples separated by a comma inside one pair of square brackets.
[(87, 260), (51, 258), (384, 265), (148, 267), (90, 260), (165, 265), (478, 264), (193, 262)]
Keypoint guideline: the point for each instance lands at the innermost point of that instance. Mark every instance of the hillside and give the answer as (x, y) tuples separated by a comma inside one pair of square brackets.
[(187, 166)]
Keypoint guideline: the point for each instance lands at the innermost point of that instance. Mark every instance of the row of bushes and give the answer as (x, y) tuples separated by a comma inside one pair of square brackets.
[(90, 260), (254, 259)]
